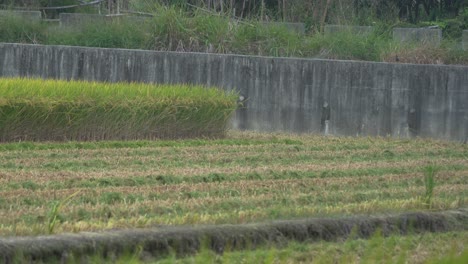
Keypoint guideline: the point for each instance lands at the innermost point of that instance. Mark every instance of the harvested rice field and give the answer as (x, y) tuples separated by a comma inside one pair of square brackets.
[(53, 188)]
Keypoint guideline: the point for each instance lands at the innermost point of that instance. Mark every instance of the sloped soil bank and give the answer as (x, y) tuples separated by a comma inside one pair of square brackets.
[(160, 241)]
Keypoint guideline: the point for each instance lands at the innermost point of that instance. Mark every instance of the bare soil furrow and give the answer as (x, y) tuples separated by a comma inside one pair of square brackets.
[(189, 155), (43, 176), (261, 202), (347, 183)]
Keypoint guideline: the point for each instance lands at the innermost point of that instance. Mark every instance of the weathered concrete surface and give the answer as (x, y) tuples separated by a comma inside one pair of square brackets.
[(295, 27), (432, 36), (465, 40), (77, 19), (34, 15), (362, 30), (283, 94), (74, 19)]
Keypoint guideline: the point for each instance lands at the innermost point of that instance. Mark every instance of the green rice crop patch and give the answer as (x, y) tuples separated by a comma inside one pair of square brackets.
[(56, 110)]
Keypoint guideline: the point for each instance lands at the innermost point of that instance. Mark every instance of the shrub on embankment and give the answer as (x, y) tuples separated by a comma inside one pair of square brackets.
[(34, 109), (21, 30)]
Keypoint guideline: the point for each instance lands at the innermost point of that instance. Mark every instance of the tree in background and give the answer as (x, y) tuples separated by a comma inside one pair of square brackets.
[(315, 13), (412, 10)]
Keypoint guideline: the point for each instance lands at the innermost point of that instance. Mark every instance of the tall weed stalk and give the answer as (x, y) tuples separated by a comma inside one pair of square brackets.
[(429, 183), (55, 211)]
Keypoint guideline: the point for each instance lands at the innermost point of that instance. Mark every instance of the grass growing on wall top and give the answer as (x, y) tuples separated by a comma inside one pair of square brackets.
[(171, 29), (32, 109)]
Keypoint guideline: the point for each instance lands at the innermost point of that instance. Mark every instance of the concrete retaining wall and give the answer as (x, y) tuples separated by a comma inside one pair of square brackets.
[(295, 27), (283, 94), (72, 19), (420, 35), (76, 19), (34, 15)]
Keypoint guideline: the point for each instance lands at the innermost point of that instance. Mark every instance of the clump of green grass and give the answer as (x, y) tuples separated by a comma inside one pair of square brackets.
[(108, 33), (429, 183), (267, 40), (172, 29), (54, 214), (52, 110), (348, 45)]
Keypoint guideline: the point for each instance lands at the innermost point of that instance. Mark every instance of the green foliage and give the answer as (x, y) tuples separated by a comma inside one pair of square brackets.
[(453, 54), (430, 248), (464, 18), (268, 40), (429, 184), (114, 33), (17, 29), (111, 197), (75, 110), (30, 185), (174, 30), (453, 29), (451, 258), (350, 46), (54, 214), (212, 32)]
